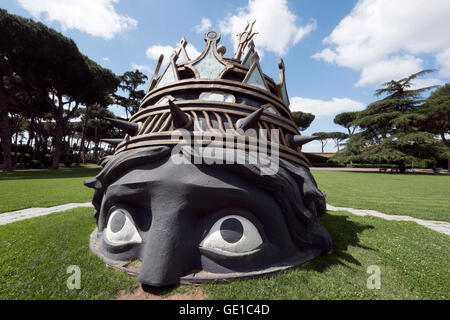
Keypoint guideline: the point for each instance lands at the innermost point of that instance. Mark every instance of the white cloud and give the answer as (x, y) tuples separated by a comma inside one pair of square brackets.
[(443, 59), (381, 35), (204, 25), (192, 51), (316, 147), (142, 68), (313, 146), (422, 83), (395, 67), (276, 25), (325, 108), (95, 17), (106, 59), (119, 111), (155, 51)]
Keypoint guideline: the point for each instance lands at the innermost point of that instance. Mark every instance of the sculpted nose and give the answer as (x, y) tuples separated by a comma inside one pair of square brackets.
[(169, 250)]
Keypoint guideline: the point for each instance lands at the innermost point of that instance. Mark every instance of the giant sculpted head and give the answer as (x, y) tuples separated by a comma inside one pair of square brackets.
[(169, 211)]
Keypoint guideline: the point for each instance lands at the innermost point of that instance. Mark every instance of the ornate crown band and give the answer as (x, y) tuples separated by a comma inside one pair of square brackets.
[(213, 94)]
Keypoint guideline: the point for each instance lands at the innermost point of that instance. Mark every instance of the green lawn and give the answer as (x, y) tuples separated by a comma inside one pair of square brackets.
[(414, 263), (417, 195), (35, 254), (423, 196), (44, 188)]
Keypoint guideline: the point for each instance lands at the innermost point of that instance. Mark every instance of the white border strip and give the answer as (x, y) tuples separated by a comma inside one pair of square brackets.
[(439, 226), (14, 216)]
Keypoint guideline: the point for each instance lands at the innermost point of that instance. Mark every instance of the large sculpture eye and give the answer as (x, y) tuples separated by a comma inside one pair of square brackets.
[(121, 229), (234, 234)]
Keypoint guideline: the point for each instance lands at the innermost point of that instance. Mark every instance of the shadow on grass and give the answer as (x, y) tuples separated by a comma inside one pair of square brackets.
[(344, 233), (50, 174)]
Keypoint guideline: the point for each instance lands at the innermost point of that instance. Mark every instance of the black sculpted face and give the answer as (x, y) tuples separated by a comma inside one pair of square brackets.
[(204, 222)]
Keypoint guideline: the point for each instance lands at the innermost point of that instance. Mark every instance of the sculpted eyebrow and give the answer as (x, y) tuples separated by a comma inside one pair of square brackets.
[(129, 191)]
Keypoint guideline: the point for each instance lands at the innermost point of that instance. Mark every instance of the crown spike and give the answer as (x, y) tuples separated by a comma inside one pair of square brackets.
[(251, 120), (113, 142), (298, 140), (127, 127), (180, 119)]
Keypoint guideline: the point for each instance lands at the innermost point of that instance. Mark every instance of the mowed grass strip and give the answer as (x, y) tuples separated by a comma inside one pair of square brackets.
[(44, 188), (422, 196), (35, 254), (413, 261)]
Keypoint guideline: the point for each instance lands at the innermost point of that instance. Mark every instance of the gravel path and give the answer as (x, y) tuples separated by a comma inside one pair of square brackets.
[(13, 216), (439, 226)]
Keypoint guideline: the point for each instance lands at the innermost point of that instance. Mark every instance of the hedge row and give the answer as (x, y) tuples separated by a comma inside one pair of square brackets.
[(327, 165), (372, 165), (25, 160)]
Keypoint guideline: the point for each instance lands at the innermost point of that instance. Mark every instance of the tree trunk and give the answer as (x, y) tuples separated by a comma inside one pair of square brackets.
[(31, 132), (36, 144), (446, 142), (96, 151), (15, 147), (5, 132), (402, 167), (96, 142), (61, 128), (87, 147), (81, 153), (58, 145), (59, 133)]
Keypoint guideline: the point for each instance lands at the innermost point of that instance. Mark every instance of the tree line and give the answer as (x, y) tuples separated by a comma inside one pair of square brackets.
[(400, 128), (55, 97)]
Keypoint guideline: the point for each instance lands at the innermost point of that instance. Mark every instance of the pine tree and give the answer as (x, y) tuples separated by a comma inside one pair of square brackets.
[(323, 138), (129, 83), (302, 119), (346, 119), (436, 109), (391, 128)]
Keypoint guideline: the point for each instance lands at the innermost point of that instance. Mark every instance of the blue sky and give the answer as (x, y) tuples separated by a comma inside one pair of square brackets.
[(336, 53)]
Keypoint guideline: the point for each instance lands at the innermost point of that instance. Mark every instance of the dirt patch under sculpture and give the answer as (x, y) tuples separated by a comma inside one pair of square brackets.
[(148, 293)]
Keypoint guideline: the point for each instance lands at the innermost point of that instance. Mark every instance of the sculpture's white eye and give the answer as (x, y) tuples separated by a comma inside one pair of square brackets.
[(234, 234), (121, 229)]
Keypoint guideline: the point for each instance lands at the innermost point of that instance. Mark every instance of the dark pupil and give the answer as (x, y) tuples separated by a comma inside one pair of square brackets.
[(231, 230), (117, 222)]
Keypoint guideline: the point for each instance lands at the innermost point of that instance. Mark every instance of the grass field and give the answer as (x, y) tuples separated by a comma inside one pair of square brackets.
[(414, 261), (35, 254), (44, 188), (423, 196)]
